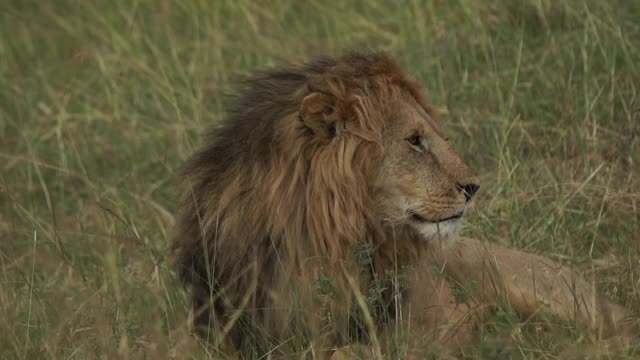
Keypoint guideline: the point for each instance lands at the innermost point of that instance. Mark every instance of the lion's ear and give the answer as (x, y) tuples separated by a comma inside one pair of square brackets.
[(318, 114)]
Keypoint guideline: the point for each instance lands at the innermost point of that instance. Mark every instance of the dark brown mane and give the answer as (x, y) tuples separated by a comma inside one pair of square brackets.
[(268, 208)]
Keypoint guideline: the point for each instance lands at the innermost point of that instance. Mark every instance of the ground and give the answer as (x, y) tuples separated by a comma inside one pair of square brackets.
[(100, 102)]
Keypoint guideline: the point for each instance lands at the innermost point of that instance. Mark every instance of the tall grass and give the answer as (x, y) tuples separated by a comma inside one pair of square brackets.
[(100, 102)]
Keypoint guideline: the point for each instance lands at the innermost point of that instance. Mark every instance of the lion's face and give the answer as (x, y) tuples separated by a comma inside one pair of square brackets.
[(421, 182)]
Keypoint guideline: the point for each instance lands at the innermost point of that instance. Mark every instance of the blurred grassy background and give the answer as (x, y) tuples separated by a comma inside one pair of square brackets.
[(101, 101)]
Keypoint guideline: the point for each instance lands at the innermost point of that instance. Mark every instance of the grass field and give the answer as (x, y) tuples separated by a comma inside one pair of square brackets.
[(100, 103)]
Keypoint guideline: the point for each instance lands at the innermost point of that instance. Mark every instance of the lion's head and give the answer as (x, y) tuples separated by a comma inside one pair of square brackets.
[(312, 161), (421, 181)]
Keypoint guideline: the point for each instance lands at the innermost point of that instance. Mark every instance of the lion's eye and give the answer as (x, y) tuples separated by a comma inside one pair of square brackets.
[(415, 141)]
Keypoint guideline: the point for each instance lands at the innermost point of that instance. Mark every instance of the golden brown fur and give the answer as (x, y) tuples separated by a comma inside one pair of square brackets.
[(325, 184), (269, 201)]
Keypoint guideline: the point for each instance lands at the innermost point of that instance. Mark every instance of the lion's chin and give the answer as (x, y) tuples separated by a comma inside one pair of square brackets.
[(443, 232)]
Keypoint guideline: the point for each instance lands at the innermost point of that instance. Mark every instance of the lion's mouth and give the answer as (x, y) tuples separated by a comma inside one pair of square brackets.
[(419, 218)]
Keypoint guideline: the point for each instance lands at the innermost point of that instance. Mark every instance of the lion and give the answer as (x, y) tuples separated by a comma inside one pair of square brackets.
[(327, 207)]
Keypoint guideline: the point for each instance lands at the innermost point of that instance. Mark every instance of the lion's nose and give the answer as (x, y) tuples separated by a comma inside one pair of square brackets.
[(468, 190)]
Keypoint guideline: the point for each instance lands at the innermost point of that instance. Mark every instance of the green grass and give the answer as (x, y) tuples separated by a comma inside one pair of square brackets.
[(100, 103)]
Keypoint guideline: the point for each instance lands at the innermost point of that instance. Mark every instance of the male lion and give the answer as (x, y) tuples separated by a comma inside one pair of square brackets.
[(326, 210)]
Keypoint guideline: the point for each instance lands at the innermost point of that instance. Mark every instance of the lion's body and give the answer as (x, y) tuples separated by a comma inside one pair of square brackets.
[(300, 176)]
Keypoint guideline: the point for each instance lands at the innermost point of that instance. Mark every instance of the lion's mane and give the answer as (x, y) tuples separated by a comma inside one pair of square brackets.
[(272, 204)]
